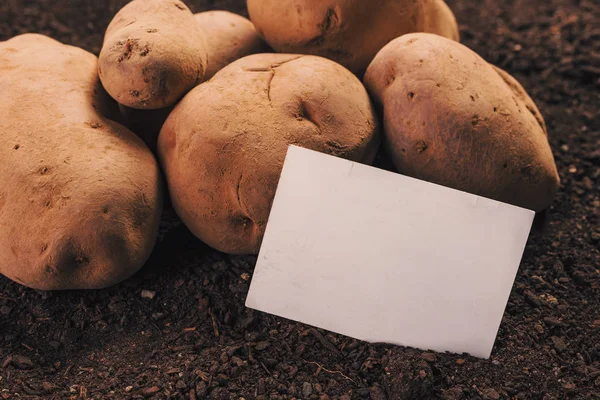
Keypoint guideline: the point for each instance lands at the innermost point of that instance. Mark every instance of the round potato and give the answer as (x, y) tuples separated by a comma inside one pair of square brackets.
[(453, 119), (154, 52), (350, 32), (80, 200), (223, 146), (229, 37)]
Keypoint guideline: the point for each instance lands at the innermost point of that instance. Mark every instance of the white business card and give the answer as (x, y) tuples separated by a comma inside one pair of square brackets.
[(382, 257)]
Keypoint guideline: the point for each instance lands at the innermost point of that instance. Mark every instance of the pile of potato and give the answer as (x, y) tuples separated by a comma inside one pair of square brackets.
[(82, 194)]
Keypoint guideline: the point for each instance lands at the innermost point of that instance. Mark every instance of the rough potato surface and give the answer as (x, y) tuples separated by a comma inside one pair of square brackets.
[(350, 32), (223, 146), (453, 119), (154, 52), (229, 37), (80, 199)]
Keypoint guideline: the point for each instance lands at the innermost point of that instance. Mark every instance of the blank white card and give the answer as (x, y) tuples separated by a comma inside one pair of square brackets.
[(381, 257)]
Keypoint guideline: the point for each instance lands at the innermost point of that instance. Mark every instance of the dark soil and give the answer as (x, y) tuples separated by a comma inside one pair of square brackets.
[(179, 328)]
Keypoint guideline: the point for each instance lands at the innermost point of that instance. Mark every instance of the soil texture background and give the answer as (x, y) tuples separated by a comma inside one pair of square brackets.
[(179, 329)]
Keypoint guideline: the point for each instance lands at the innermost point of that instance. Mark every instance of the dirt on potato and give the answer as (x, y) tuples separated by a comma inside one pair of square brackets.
[(179, 329)]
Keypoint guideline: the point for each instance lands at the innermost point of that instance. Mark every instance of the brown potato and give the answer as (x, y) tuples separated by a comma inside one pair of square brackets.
[(350, 32), (223, 146), (154, 52), (453, 119), (81, 195), (229, 37)]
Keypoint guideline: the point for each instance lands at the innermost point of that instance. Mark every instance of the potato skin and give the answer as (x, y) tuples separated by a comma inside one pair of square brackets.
[(350, 32), (229, 37), (223, 146), (81, 196), (153, 53), (453, 119)]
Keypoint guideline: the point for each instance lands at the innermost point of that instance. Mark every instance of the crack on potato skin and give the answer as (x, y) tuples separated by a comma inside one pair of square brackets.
[(330, 20), (272, 66), (258, 69), (279, 64), (272, 69), (270, 81)]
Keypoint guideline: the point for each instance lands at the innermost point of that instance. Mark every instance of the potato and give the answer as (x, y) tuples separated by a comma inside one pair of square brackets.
[(350, 32), (453, 119), (223, 146), (81, 195), (153, 53), (229, 37)]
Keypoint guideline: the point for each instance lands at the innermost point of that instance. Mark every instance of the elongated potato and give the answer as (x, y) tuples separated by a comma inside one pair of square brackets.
[(154, 52), (453, 119), (223, 146), (80, 199), (229, 37), (350, 32)]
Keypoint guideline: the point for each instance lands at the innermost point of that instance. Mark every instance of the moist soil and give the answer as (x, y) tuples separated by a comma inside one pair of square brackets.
[(179, 329)]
